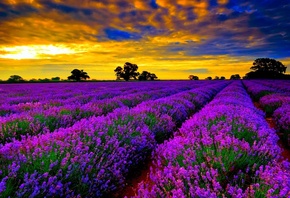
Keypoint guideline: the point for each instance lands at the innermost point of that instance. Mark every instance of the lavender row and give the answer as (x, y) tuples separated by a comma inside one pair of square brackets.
[(282, 120), (19, 99), (269, 97), (21, 93), (275, 103), (181, 105), (257, 90), (225, 150), (18, 94), (39, 120), (282, 85), (91, 158)]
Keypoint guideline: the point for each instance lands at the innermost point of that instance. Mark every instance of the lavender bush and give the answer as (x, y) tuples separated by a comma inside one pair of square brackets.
[(43, 120), (273, 101), (89, 159), (257, 90), (282, 119), (225, 150)]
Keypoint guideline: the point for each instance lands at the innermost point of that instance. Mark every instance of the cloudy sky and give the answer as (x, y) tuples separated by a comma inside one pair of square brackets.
[(171, 38)]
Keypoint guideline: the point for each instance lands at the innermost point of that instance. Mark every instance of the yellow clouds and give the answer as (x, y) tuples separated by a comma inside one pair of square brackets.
[(160, 36), (35, 29), (199, 8), (178, 37), (99, 60)]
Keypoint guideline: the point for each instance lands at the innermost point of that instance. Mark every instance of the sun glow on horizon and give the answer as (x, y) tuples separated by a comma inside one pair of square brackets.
[(34, 51)]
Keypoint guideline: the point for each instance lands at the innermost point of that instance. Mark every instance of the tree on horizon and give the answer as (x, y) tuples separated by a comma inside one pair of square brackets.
[(15, 78), (55, 78), (266, 68), (235, 77), (129, 71), (78, 75), (145, 75), (193, 77)]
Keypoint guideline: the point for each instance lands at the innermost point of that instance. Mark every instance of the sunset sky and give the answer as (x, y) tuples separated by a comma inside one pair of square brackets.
[(171, 38)]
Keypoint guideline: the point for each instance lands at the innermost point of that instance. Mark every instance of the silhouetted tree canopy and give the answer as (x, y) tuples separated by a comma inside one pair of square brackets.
[(222, 78), (129, 71), (235, 77), (208, 78), (55, 78), (268, 64), (153, 76), (44, 80), (145, 75), (193, 77), (15, 78), (266, 68), (78, 75)]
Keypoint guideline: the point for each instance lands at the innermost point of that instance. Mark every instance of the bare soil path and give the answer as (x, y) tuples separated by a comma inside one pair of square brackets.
[(141, 173), (285, 151)]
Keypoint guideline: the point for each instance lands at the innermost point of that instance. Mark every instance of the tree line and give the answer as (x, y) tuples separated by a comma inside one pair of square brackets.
[(262, 68), (129, 71)]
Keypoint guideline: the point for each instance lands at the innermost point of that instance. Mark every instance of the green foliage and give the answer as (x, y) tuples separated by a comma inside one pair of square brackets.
[(65, 112), (269, 109), (14, 129), (234, 166), (243, 133), (262, 93), (50, 122)]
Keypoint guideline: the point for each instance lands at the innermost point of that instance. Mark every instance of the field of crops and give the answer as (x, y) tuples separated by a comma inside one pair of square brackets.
[(205, 138)]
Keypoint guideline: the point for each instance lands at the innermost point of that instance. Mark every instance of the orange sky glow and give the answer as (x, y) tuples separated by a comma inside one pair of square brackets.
[(173, 39)]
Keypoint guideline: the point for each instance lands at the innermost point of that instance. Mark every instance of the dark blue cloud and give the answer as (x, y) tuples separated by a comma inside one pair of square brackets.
[(12, 11), (176, 49), (153, 4), (272, 19), (3, 15), (148, 30), (4, 6), (118, 35), (129, 14), (230, 46), (60, 7), (66, 8), (123, 4), (222, 17), (212, 3)]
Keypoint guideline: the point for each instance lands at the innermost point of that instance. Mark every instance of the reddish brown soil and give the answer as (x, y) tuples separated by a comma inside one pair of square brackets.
[(285, 151), (135, 177)]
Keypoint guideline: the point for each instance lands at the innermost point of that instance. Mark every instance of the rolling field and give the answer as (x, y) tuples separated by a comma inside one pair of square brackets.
[(205, 138)]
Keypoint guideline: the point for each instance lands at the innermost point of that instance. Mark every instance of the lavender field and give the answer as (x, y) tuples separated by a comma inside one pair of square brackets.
[(205, 138)]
